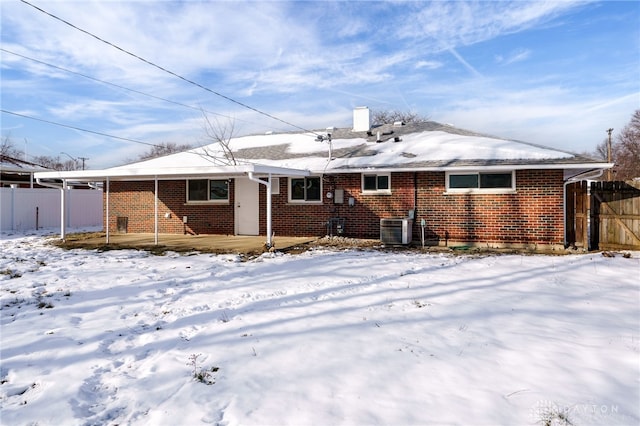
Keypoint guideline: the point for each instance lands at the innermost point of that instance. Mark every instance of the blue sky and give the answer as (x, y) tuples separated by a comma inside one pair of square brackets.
[(557, 73)]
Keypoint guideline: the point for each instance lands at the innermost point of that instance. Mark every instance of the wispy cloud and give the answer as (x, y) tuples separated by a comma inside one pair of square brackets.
[(464, 63), (312, 62), (513, 57), (431, 65)]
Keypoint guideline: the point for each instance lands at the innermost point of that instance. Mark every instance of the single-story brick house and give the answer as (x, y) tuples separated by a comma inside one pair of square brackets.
[(455, 186)]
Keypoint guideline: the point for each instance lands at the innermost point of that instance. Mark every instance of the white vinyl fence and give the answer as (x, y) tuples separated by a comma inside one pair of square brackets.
[(35, 208)]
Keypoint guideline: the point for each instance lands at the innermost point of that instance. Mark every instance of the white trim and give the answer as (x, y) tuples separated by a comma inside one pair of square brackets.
[(173, 173), (449, 190), (208, 201), (375, 191), (495, 191), (296, 201), (506, 167), (178, 173)]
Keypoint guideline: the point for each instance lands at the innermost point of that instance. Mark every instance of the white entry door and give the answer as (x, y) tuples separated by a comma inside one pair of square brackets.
[(247, 212)]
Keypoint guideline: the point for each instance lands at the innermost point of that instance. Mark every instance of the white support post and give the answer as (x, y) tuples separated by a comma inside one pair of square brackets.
[(107, 210), (269, 229), (251, 177), (156, 211), (14, 188), (63, 211)]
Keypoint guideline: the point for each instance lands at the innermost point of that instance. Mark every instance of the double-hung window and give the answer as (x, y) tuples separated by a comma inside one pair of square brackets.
[(482, 182), (306, 189), (376, 183), (207, 190)]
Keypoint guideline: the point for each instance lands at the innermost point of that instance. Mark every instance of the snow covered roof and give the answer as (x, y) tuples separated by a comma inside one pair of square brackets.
[(15, 165), (393, 147)]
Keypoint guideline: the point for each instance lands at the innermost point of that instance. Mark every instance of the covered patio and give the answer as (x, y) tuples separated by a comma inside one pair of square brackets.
[(260, 174)]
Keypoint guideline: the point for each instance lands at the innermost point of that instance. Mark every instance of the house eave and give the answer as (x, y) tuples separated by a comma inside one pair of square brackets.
[(169, 173), (471, 166)]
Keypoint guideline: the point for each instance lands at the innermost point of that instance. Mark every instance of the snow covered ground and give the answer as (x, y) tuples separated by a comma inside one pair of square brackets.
[(325, 337)]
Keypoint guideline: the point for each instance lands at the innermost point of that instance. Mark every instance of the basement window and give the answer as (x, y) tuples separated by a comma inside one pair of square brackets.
[(207, 190), (481, 182), (376, 183), (308, 189)]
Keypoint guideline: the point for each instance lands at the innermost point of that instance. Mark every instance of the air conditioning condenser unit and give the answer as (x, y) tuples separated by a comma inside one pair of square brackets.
[(396, 231)]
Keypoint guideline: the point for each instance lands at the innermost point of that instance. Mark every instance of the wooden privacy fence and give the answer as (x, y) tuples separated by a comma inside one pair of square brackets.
[(603, 215), (577, 215), (615, 215)]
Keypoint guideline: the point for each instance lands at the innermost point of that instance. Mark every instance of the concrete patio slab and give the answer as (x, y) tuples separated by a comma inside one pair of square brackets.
[(240, 244)]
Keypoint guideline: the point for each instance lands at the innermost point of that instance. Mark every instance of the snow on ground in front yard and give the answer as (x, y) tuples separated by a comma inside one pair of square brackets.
[(324, 337)]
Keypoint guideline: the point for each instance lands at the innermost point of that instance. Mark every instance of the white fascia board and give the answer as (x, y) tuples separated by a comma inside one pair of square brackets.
[(499, 167), (502, 167), (260, 169), (168, 173)]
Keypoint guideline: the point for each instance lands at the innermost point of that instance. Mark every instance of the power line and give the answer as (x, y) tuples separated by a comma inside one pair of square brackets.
[(105, 82), (77, 128), (119, 86), (212, 157), (165, 69)]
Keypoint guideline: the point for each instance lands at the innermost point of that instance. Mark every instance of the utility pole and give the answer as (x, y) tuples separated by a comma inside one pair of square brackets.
[(83, 160), (609, 153)]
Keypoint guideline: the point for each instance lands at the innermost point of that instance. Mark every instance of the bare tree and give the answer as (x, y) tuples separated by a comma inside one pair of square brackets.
[(162, 149), (626, 150), (55, 163), (220, 133), (8, 149), (601, 150), (379, 117)]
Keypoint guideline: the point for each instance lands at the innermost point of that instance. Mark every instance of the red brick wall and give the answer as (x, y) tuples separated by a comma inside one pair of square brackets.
[(532, 215), (135, 201), (362, 220)]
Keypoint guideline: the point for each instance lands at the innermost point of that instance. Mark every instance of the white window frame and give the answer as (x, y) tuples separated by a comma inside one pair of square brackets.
[(208, 200), (479, 190), (375, 191), (298, 201)]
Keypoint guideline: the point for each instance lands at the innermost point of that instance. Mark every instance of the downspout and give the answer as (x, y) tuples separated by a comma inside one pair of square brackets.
[(575, 178), (62, 203), (267, 184)]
